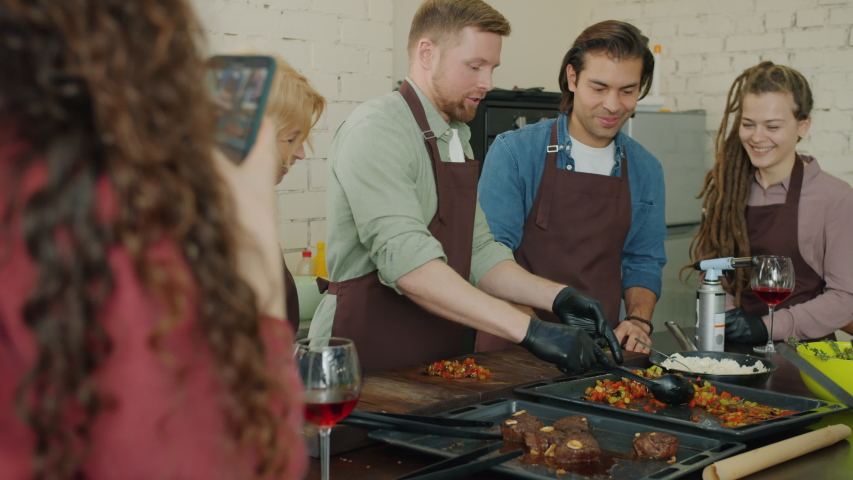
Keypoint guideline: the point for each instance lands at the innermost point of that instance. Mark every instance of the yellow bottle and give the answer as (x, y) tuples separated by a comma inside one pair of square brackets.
[(320, 261)]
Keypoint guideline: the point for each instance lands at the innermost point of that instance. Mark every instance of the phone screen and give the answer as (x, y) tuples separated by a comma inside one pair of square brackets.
[(239, 86)]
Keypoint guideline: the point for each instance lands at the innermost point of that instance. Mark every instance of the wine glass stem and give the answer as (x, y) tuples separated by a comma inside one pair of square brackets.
[(770, 337), (325, 434)]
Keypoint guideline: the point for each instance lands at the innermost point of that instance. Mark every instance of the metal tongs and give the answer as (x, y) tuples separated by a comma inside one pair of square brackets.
[(445, 427), (463, 465)]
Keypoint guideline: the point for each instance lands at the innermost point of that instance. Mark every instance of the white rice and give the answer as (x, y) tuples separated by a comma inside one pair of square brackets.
[(726, 366)]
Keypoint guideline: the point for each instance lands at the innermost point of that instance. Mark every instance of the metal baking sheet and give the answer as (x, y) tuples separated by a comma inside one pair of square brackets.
[(614, 435), (808, 410)]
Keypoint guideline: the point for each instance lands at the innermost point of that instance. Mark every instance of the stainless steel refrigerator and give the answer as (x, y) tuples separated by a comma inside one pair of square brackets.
[(677, 139)]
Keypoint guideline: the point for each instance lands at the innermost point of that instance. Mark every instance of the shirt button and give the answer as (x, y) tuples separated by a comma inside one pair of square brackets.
[(447, 133), (568, 167)]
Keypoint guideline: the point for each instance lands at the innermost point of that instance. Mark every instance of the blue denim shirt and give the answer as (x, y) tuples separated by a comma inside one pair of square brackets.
[(510, 180)]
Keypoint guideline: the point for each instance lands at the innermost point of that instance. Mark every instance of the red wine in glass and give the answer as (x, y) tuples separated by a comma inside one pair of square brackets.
[(328, 407), (772, 281), (772, 295), (332, 379)]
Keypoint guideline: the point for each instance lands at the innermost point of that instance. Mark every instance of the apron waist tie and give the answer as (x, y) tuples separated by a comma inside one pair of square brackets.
[(324, 285)]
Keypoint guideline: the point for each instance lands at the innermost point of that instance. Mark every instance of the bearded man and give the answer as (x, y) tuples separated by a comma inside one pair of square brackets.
[(409, 252)]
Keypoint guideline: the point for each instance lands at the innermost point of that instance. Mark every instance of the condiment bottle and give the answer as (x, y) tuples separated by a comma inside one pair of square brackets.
[(306, 266), (320, 262)]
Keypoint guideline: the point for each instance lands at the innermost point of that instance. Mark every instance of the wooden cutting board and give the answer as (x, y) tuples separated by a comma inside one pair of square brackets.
[(408, 390)]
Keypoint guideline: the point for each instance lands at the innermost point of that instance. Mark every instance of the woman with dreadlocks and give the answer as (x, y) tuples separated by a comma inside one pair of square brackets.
[(140, 283), (763, 198)]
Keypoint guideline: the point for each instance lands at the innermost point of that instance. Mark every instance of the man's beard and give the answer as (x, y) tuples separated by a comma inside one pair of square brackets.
[(454, 109)]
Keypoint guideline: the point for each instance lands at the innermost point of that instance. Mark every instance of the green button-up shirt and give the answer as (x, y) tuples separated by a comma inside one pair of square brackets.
[(381, 195)]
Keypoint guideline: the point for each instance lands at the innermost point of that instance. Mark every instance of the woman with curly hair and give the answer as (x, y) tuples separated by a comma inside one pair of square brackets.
[(763, 198), (139, 318)]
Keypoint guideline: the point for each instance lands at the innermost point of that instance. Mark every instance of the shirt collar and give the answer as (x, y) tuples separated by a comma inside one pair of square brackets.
[(810, 170), (565, 141), (440, 128)]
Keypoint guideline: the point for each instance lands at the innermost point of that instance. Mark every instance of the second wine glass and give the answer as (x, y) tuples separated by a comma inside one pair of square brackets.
[(772, 281), (331, 375)]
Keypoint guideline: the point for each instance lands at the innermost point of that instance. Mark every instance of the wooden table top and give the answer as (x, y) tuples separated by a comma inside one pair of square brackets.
[(408, 391)]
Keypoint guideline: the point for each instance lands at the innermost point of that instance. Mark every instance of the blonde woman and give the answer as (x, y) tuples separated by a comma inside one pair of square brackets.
[(294, 107)]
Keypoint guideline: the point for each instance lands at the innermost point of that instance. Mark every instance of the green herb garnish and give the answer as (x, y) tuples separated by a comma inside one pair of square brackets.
[(846, 354)]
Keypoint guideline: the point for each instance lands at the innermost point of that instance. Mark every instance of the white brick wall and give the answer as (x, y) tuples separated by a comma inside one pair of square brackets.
[(344, 47), (713, 42)]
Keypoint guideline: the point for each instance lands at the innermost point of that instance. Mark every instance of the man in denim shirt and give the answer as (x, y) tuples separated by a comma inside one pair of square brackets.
[(576, 200)]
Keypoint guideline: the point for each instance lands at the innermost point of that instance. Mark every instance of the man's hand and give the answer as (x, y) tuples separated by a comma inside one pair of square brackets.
[(743, 327), (628, 332), (575, 309), (570, 349)]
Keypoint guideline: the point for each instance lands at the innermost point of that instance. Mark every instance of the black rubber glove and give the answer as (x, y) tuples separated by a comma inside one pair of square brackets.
[(744, 327), (569, 348), (578, 310)]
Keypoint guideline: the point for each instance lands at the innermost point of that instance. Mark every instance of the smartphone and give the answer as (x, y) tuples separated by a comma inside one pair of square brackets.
[(239, 85)]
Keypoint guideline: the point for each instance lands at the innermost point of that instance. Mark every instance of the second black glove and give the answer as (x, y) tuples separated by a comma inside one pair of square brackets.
[(744, 327), (578, 310), (569, 348)]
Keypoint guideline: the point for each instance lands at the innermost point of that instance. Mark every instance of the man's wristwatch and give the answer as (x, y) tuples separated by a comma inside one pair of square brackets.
[(634, 317)]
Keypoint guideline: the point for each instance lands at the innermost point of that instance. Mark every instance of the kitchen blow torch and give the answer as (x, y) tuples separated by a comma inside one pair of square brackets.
[(711, 301)]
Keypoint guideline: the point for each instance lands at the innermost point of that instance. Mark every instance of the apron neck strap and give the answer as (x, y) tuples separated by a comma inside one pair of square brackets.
[(546, 186), (417, 109), (795, 186)]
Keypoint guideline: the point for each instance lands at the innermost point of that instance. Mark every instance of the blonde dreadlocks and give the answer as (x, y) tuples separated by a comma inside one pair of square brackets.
[(723, 231)]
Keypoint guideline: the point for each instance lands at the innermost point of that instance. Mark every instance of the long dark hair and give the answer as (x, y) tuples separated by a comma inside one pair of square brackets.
[(615, 39), (723, 230), (111, 90)]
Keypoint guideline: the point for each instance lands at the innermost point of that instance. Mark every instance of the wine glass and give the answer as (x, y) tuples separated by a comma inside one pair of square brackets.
[(331, 375), (772, 282)]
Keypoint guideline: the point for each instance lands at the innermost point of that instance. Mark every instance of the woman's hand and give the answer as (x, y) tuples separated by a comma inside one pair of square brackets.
[(251, 186)]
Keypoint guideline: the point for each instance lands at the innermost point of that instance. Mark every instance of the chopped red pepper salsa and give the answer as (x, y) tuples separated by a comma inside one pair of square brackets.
[(733, 411), (456, 369)]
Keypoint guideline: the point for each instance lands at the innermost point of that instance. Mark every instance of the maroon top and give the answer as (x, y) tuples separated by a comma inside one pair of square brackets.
[(162, 427)]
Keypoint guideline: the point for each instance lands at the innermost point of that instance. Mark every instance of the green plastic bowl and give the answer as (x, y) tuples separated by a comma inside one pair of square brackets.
[(840, 371)]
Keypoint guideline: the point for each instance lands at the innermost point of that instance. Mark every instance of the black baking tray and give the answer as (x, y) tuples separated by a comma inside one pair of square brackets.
[(614, 435), (679, 418)]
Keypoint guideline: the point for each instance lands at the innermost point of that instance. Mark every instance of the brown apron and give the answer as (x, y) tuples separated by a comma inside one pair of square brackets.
[(574, 234), (292, 300), (773, 230), (388, 329)]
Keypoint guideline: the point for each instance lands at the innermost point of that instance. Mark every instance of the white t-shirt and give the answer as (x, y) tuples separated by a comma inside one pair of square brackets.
[(457, 154), (593, 160)]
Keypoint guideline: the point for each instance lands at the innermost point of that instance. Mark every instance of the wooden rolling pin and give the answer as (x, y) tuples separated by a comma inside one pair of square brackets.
[(750, 462)]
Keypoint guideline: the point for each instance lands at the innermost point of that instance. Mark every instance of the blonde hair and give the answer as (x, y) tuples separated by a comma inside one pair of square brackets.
[(293, 101), (442, 20)]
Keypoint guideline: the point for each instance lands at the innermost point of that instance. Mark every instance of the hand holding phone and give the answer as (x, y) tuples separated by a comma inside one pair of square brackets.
[(239, 85), (251, 187)]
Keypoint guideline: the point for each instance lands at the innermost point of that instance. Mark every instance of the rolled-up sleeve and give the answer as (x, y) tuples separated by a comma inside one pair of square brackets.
[(377, 173), (487, 252), (644, 253)]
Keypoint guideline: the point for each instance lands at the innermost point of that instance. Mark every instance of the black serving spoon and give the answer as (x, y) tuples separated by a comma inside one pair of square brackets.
[(669, 389)]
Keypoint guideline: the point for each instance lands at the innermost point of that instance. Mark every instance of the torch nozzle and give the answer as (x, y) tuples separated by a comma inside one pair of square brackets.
[(727, 263)]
